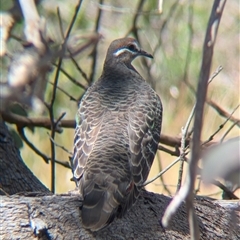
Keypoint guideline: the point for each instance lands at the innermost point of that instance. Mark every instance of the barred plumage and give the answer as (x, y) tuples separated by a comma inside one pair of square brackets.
[(116, 138)]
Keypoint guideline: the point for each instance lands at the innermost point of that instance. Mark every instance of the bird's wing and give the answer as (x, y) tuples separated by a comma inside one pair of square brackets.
[(144, 128), (89, 121)]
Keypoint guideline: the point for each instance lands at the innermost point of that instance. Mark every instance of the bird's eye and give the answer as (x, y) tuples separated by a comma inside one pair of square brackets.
[(132, 48)]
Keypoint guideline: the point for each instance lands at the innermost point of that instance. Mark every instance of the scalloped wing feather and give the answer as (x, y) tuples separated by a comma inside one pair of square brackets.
[(144, 134)]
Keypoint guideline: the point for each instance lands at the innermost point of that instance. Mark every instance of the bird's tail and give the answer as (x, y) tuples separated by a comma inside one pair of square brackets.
[(102, 204)]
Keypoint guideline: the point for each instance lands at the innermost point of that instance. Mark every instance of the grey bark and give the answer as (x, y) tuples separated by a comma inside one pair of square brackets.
[(58, 217), (15, 176)]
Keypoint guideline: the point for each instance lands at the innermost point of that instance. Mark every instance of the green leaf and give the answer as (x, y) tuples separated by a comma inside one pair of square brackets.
[(17, 139), (18, 109)]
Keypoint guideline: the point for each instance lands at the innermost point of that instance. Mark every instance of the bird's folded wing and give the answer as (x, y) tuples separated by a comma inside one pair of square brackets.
[(144, 134), (89, 124)]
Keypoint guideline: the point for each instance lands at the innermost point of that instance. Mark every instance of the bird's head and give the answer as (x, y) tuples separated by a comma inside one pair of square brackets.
[(124, 50)]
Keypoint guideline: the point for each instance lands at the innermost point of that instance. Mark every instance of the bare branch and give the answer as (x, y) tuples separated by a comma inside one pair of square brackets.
[(221, 126), (186, 191), (224, 113), (38, 152), (161, 173), (183, 146), (66, 93), (60, 22), (134, 28), (22, 121), (60, 146), (190, 40), (50, 106), (94, 52), (165, 187), (32, 146), (84, 75), (73, 80), (173, 153), (228, 131), (230, 194)]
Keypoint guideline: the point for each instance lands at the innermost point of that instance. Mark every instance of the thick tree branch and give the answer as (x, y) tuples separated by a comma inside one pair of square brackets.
[(15, 176), (58, 217)]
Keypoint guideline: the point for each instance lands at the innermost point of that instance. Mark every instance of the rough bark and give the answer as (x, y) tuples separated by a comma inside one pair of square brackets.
[(58, 217), (45, 216), (15, 176)]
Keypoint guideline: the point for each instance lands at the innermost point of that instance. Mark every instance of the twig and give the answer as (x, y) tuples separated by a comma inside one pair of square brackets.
[(228, 131), (223, 113), (75, 49), (185, 131), (84, 75), (219, 69), (32, 146), (190, 39), (73, 80), (66, 93), (173, 153), (73, 20), (172, 10), (58, 145), (64, 164), (230, 194), (50, 106), (134, 28), (161, 177), (60, 22), (186, 191), (172, 141), (51, 113), (59, 119), (214, 105), (94, 52), (161, 173), (198, 185), (183, 147), (220, 127), (2, 191), (22, 121), (37, 151)]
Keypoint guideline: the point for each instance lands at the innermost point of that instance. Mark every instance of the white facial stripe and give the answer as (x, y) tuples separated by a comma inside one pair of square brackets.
[(124, 49)]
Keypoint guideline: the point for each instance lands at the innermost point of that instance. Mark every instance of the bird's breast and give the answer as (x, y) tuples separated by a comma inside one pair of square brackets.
[(118, 96)]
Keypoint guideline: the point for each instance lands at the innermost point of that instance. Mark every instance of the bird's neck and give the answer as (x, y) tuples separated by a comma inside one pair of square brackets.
[(118, 68)]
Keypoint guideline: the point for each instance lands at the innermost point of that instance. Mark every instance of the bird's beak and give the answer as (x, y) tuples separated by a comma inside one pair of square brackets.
[(145, 54)]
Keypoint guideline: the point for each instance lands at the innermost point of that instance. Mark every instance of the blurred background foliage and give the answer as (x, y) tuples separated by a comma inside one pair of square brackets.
[(175, 37)]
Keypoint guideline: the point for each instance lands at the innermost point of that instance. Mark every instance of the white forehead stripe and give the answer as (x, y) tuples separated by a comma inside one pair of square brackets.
[(121, 50), (124, 49)]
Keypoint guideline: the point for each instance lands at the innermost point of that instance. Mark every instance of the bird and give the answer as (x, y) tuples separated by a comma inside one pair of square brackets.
[(118, 125)]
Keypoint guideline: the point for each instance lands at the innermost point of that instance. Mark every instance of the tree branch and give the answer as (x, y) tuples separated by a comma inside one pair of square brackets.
[(186, 191)]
